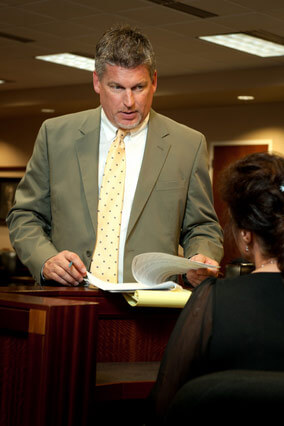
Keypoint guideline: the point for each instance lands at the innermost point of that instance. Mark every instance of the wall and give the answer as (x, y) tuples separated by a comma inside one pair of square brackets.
[(237, 123), (17, 136), (233, 123)]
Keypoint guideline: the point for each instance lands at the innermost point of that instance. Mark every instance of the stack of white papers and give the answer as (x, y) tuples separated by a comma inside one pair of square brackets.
[(151, 271)]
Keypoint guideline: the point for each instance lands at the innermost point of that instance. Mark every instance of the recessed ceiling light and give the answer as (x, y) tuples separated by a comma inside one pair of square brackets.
[(47, 110), (2, 81), (70, 60), (246, 98), (247, 43)]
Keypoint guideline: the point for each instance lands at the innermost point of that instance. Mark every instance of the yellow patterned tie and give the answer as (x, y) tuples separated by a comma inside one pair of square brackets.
[(105, 257)]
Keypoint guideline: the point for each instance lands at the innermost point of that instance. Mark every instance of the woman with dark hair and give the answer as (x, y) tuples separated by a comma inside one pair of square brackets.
[(236, 323)]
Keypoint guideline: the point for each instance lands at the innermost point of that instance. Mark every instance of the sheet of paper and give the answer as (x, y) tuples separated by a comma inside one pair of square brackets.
[(128, 287), (157, 267)]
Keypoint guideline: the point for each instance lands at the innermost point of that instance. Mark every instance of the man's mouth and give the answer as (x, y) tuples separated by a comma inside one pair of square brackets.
[(128, 113), (128, 119)]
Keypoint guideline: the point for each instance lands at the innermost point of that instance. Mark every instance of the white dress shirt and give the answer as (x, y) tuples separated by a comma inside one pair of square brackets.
[(135, 143)]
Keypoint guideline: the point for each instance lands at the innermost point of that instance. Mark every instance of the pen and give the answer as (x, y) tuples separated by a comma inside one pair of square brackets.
[(85, 282)]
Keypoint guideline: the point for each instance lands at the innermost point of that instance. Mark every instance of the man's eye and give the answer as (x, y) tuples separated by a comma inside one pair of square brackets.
[(115, 87)]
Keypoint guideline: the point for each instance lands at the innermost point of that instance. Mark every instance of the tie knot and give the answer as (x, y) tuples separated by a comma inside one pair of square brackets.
[(121, 134)]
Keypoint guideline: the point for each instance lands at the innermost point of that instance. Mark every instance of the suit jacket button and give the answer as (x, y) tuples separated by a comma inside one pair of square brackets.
[(89, 253)]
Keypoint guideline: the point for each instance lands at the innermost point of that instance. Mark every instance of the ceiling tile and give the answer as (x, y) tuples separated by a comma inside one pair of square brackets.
[(157, 15), (100, 22), (277, 13), (194, 29), (14, 16), (62, 29), (112, 6), (220, 7), (252, 21), (260, 5), (59, 9)]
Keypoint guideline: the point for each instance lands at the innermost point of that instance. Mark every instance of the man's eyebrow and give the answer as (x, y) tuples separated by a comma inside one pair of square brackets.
[(141, 83), (115, 83)]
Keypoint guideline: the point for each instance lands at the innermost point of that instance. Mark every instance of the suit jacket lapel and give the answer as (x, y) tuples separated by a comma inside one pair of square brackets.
[(87, 148), (156, 152)]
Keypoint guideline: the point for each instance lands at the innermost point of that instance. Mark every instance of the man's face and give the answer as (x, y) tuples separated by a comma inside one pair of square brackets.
[(126, 94)]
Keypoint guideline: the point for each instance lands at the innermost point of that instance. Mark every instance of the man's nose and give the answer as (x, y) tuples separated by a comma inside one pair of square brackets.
[(128, 98)]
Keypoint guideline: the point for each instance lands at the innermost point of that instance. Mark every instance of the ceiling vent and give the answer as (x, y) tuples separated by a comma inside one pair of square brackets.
[(182, 7), (15, 38)]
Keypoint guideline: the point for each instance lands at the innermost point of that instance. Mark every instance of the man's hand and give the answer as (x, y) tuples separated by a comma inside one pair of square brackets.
[(59, 268), (196, 276)]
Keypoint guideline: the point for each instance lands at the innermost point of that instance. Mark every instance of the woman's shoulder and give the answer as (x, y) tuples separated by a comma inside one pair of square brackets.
[(245, 282)]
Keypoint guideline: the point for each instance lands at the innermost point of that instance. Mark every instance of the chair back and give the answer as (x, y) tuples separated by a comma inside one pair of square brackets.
[(229, 397)]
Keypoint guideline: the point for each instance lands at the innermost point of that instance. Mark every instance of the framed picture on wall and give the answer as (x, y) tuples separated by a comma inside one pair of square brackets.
[(8, 187)]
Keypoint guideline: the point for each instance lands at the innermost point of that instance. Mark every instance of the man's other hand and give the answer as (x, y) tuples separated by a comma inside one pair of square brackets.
[(196, 276)]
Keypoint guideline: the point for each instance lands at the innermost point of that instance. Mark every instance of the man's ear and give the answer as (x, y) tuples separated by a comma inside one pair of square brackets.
[(96, 82), (155, 81)]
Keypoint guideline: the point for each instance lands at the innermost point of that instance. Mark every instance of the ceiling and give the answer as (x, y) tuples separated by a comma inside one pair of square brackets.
[(191, 72)]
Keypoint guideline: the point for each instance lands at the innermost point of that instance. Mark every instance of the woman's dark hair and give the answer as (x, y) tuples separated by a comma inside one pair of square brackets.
[(253, 189)]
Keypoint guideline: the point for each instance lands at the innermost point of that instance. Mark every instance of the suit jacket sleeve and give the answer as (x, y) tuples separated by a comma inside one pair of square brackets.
[(29, 221), (201, 232)]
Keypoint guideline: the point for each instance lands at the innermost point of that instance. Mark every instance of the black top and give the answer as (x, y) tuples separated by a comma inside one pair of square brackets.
[(226, 324)]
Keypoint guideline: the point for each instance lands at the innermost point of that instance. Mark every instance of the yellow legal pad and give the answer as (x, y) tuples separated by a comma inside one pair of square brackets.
[(153, 286), (176, 298)]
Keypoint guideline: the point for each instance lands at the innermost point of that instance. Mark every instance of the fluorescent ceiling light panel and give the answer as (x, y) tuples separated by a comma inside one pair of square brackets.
[(70, 60), (247, 43)]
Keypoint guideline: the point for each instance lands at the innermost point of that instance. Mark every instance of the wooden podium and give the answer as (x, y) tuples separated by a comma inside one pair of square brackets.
[(47, 353), (64, 352)]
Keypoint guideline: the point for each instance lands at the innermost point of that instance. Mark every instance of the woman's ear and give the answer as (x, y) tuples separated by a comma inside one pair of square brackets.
[(246, 236)]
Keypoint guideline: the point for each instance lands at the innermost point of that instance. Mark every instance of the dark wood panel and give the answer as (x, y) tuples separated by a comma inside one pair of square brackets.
[(14, 358), (142, 338), (48, 377), (14, 319)]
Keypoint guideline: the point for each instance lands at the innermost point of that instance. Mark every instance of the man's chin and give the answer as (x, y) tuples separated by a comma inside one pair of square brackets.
[(128, 124)]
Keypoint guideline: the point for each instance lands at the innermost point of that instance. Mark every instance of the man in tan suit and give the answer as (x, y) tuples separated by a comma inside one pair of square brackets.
[(167, 199)]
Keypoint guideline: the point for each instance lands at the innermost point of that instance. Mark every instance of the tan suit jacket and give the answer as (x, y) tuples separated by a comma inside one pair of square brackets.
[(56, 201)]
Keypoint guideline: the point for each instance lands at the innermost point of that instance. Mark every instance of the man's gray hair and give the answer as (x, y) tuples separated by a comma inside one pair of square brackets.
[(126, 47)]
